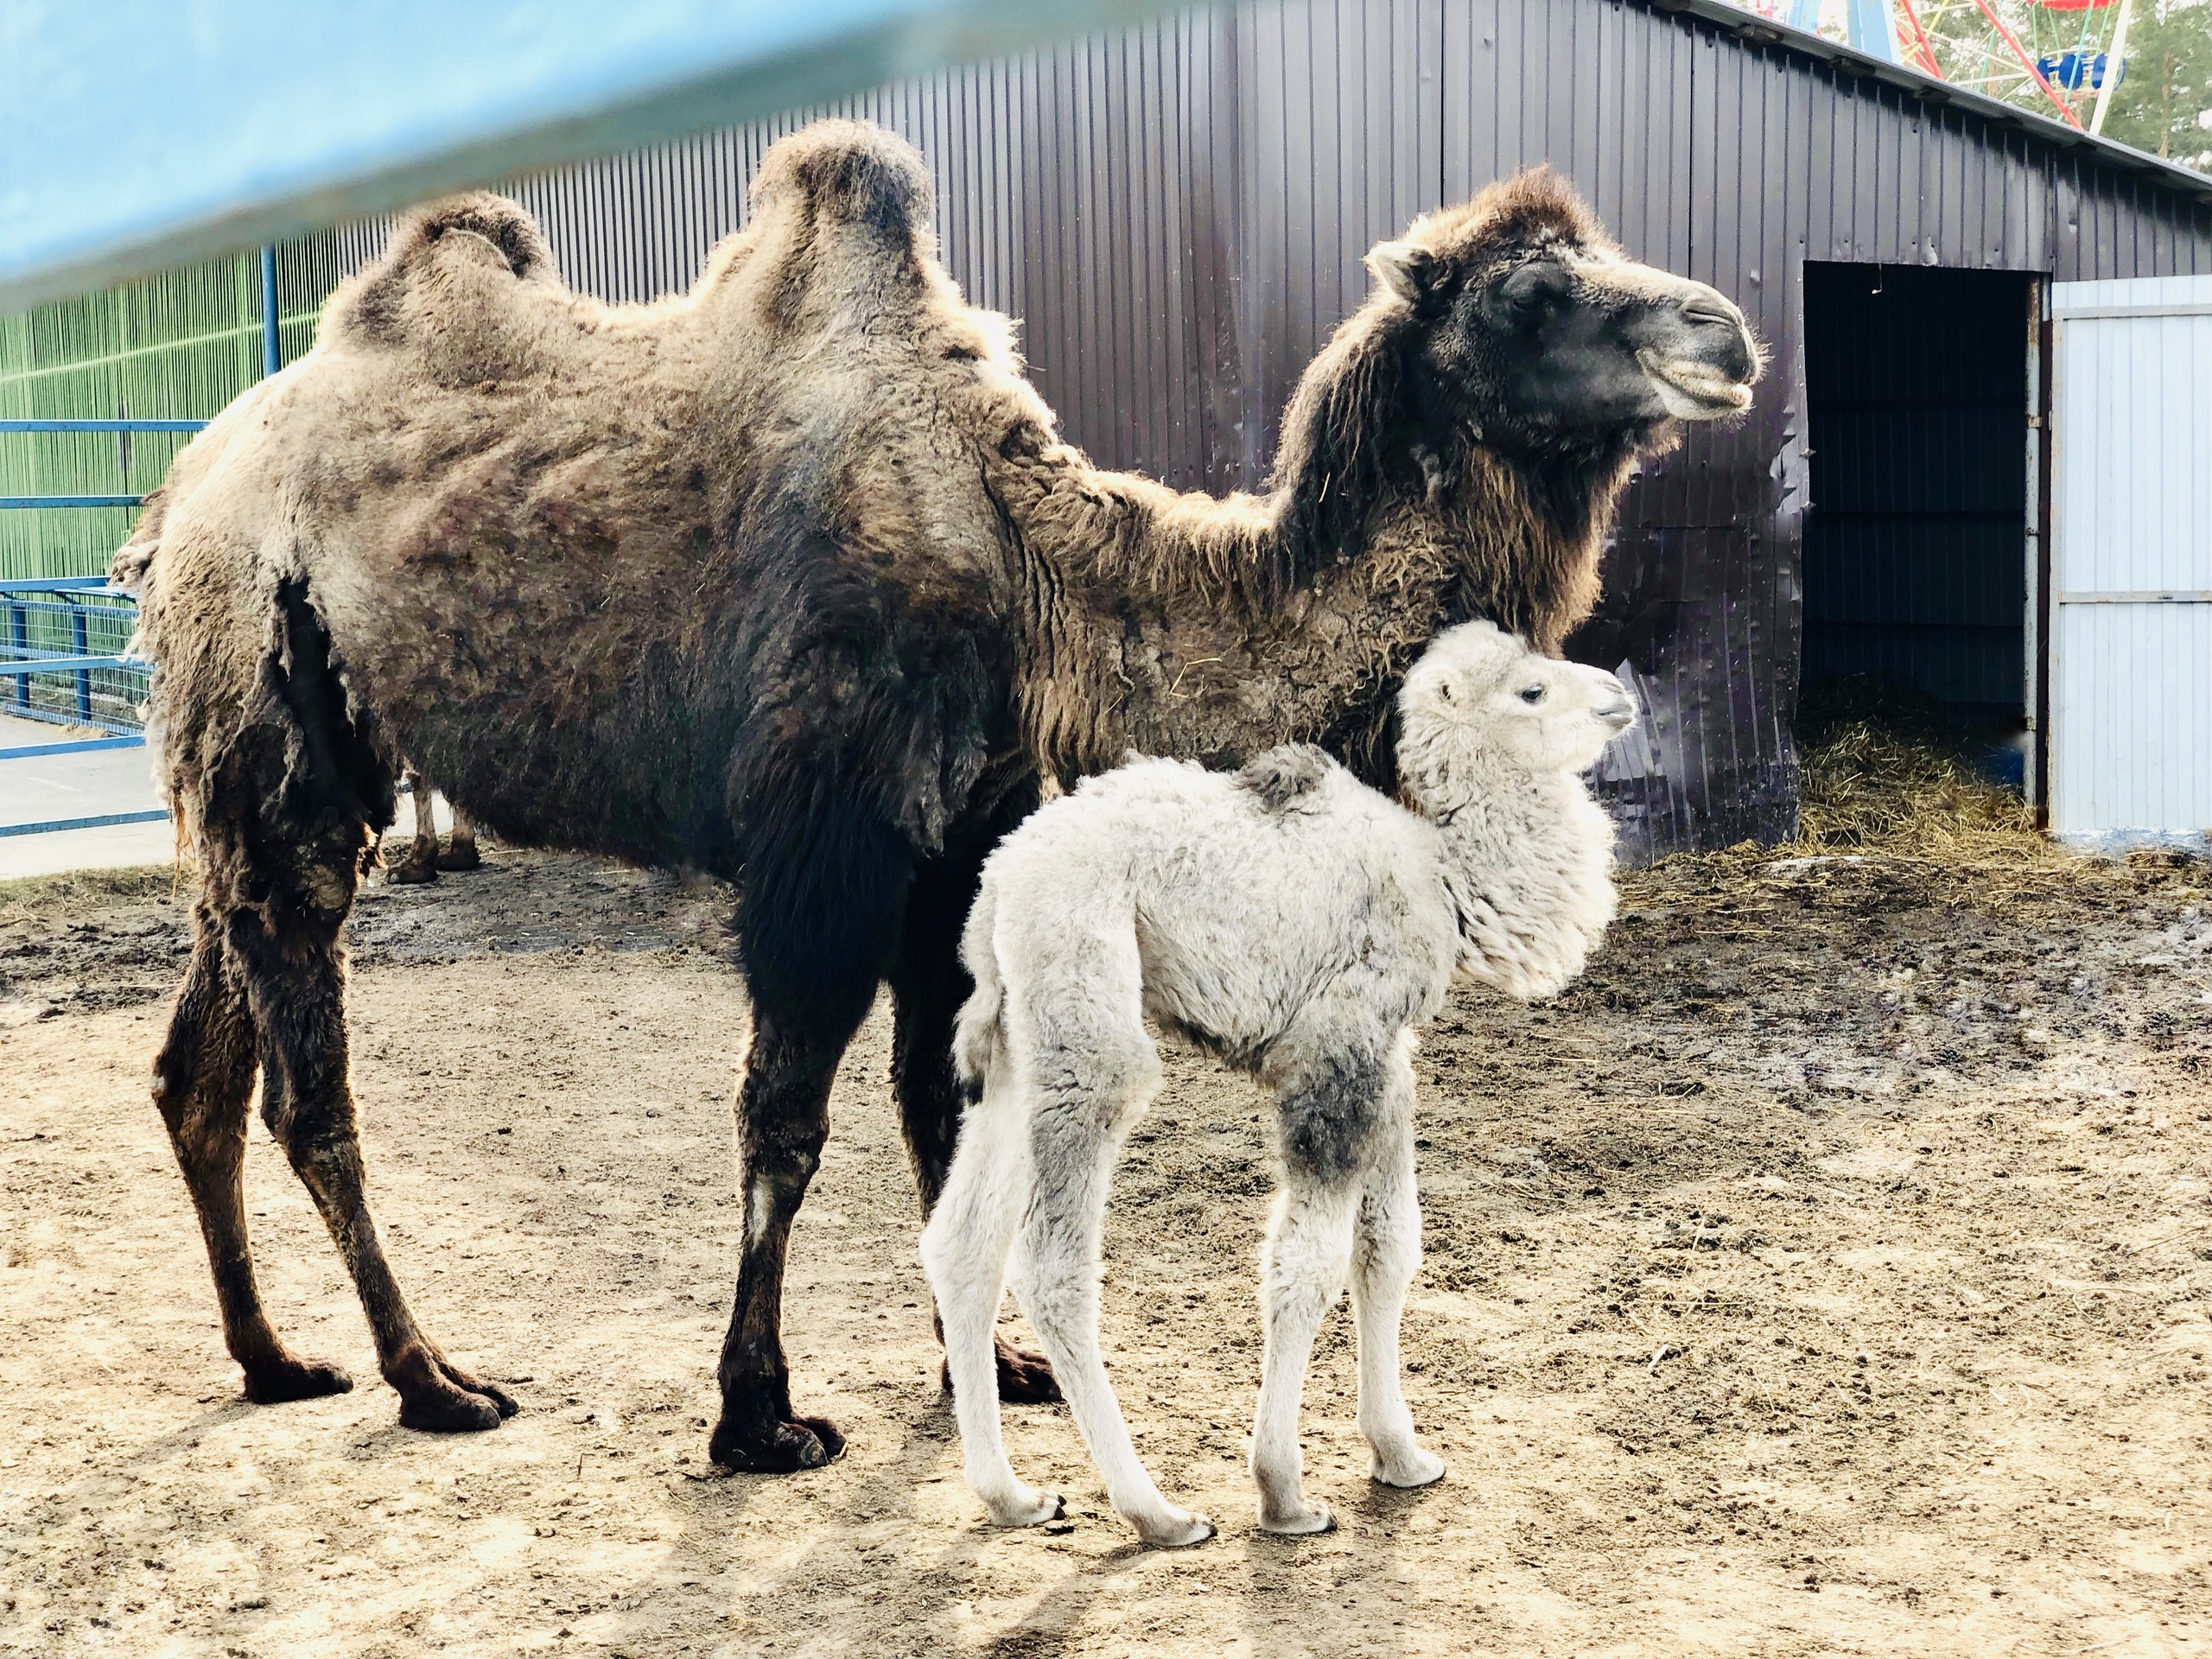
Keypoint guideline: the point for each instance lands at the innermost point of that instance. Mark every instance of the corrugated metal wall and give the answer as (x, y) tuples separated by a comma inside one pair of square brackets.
[(1176, 213), (2131, 653)]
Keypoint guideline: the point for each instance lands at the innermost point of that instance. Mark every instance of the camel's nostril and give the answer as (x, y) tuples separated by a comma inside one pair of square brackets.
[(1711, 308)]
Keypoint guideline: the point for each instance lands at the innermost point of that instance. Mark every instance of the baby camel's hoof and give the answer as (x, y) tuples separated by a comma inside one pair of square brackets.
[(1317, 1519), (1181, 1532), (1418, 1469), (1032, 1510)]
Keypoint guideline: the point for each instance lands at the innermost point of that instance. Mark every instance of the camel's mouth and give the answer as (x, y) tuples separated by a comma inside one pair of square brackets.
[(1693, 391)]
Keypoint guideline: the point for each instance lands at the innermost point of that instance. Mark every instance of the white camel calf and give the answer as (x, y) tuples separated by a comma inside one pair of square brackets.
[(1300, 925)]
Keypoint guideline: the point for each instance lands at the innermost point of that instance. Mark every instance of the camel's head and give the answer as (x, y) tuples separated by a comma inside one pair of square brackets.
[(1534, 333), (1477, 688)]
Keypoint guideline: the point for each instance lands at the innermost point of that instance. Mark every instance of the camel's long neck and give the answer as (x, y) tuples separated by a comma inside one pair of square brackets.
[(1528, 865), (1180, 623)]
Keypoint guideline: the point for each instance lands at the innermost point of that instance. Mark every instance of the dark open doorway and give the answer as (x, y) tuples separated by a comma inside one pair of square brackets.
[(1916, 546)]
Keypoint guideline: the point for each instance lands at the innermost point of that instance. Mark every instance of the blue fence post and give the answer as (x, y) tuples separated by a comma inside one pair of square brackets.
[(84, 649), (272, 347), (19, 632)]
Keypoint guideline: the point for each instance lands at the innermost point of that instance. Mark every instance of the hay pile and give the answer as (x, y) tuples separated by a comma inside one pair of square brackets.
[(1872, 789)]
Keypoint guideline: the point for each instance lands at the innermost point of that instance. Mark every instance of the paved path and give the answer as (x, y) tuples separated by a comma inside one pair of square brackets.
[(76, 786), (93, 786)]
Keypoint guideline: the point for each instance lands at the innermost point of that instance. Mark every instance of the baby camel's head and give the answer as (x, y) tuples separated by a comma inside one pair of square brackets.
[(1477, 688)]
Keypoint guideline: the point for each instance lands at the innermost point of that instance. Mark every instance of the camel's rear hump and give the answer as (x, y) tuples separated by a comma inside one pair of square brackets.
[(848, 171)]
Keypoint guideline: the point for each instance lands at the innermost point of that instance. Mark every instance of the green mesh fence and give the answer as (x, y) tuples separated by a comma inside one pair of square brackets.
[(175, 346)]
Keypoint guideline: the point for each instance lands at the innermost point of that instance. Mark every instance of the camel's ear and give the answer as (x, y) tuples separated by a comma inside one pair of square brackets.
[(1404, 268)]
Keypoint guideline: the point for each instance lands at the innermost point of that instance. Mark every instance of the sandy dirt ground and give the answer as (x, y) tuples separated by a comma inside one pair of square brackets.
[(1829, 1273)]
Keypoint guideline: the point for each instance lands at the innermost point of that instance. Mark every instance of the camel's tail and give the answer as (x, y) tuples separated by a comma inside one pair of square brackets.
[(127, 569), (979, 1039)]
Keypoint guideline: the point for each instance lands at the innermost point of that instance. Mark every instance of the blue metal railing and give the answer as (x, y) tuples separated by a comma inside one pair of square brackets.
[(50, 623), (101, 690), (73, 630)]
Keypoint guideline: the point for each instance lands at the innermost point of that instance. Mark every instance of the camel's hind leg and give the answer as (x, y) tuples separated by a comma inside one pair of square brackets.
[(294, 970), (1385, 1253), (203, 1082), (283, 815), (1331, 1079), (1092, 1079), (964, 1249), (460, 852), (421, 863)]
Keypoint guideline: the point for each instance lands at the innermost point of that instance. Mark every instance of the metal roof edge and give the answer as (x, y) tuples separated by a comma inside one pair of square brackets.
[(1752, 30)]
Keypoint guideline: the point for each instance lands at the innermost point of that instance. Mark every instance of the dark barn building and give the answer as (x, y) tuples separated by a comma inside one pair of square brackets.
[(1177, 214)]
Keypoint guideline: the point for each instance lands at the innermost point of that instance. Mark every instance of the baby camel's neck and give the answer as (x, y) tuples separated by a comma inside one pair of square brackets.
[(1528, 862)]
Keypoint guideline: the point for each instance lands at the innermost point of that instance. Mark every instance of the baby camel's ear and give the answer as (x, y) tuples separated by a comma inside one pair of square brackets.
[(1404, 268)]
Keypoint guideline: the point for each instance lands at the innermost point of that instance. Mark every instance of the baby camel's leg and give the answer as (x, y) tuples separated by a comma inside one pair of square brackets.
[(1328, 1073), (1385, 1253), (965, 1250), (1091, 1085), (1301, 1269)]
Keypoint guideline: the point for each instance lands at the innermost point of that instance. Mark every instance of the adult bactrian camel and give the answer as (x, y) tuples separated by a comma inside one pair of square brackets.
[(790, 579)]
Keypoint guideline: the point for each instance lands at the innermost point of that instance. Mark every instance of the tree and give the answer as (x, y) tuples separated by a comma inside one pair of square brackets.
[(2168, 85)]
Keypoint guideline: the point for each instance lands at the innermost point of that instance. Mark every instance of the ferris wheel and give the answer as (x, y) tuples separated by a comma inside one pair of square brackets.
[(2063, 55)]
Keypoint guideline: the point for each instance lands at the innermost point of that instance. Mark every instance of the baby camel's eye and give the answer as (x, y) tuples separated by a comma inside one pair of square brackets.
[(1533, 694), (1443, 689)]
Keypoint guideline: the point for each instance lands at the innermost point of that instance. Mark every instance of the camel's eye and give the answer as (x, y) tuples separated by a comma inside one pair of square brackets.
[(1532, 290), (1533, 694), (1443, 689)]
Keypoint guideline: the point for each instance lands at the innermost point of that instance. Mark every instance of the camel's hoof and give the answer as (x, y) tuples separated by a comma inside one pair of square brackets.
[(1025, 1379), (438, 1397), (1032, 1511), (1302, 1525), (449, 1411), (1418, 1468), (468, 1382), (1180, 1531), (459, 858), (411, 874), (295, 1379), (778, 1446)]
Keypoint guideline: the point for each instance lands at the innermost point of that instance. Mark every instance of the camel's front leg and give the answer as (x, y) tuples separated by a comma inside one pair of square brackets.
[(783, 1120), (1301, 1270), (1385, 1253)]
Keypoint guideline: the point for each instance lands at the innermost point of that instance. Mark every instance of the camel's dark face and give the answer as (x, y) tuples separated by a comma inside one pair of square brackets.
[(1537, 333)]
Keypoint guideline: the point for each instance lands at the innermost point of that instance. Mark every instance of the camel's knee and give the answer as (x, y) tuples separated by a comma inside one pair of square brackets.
[(1329, 1106), (204, 1068), (1087, 1088)]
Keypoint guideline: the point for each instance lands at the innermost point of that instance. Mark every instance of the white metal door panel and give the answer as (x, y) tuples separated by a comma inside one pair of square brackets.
[(2131, 570)]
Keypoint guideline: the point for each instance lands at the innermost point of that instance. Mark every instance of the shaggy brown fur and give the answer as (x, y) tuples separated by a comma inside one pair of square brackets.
[(790, 578)]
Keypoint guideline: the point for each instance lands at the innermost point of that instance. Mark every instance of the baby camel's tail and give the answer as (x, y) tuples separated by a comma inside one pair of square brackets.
[(980, 1038)]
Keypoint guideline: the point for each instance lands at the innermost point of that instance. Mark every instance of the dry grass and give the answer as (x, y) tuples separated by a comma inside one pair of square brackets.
[(38, 897), (1871, 790)]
